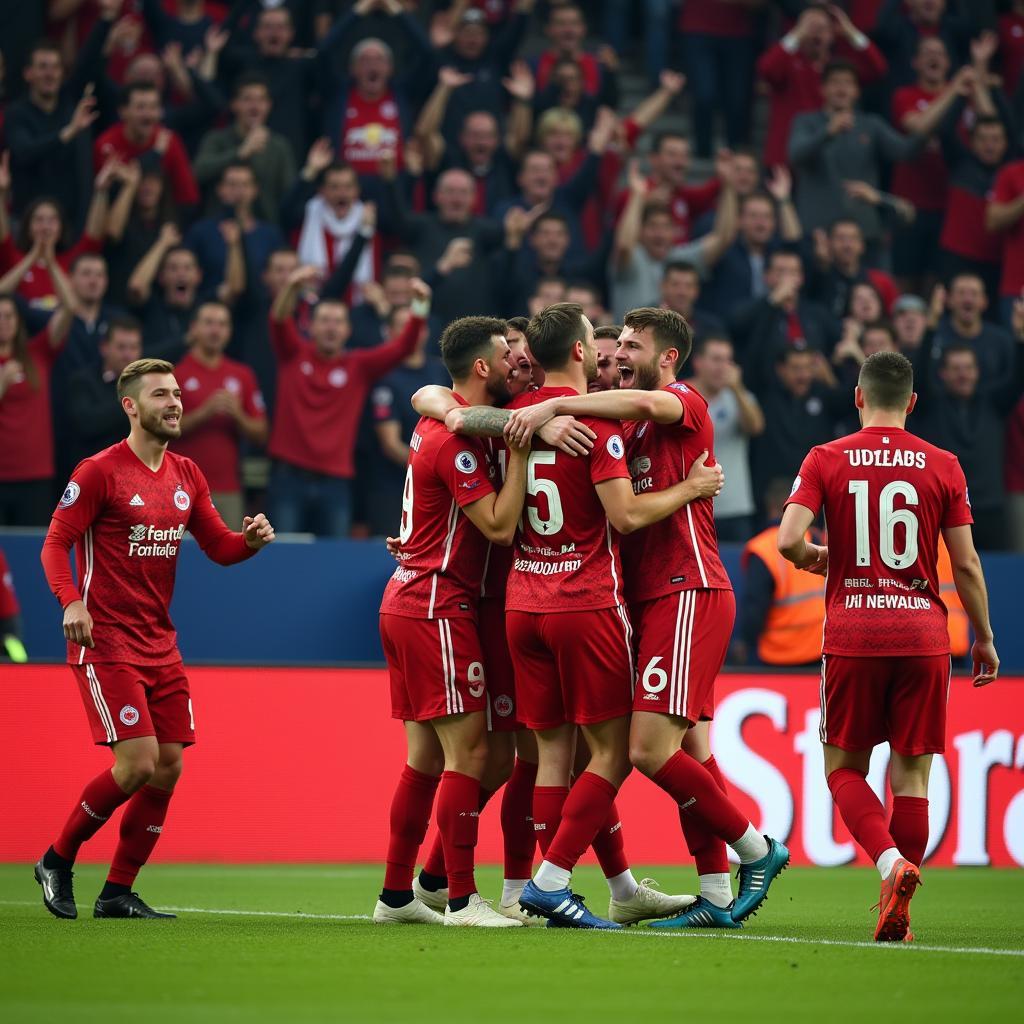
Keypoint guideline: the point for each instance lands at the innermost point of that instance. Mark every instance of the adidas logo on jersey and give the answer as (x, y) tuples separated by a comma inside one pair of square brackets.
[(136, 501)]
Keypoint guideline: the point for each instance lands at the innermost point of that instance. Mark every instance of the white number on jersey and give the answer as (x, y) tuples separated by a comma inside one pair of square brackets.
[(405, 529), (555, 520), (654, 679), (888, 518)]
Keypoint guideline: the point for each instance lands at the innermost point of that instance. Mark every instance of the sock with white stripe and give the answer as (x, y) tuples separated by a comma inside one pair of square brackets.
[(750, 846), (550, 877), (97, 803), (716, 888)]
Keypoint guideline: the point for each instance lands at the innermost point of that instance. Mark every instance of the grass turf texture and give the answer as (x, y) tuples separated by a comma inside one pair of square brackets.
[(246, 967)]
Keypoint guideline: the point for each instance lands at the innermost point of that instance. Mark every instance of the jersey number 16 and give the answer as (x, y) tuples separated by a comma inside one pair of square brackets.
[(888, 518)]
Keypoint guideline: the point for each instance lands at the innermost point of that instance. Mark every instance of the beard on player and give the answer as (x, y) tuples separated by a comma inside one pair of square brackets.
[(501, 384), (590, 363), (644, 376), (161, 419)]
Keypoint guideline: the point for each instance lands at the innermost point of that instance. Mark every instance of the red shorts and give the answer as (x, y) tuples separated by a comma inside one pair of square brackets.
[(435, 666), (572, 666), (124, 702), (501, 677), (902, 701), (684, 638)]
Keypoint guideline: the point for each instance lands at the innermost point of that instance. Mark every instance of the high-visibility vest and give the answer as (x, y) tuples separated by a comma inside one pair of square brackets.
[(958, 626), (792, 631)]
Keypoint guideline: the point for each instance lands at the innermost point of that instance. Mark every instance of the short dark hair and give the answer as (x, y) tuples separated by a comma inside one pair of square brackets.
[(84, 257), (836, 67), (43, 46), (553, 332), (237, 165), (957, 348), (887, 380), (130, 381), (668, 328), (466, 340), (654, 209), (518, 323), (839, 221), (608, 331), (552, 215), (122, 322), (248, 78), (987, 119), (758, 196), (701, 344), (782, 251), (129, 90), (200, 306), (662, 137)]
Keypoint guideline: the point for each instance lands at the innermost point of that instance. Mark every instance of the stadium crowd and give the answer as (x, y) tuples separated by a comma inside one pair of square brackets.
[(251, 190)]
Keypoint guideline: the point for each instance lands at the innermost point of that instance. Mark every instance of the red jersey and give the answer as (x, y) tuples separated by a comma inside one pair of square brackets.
[(174, 162), (680, 552), (499, 559), (372, 132), (566, 553), (127, 523), (924, 180), (213, 446), (1011, 49), (886, 495), (37, 284), (26, 426), (443, 553), (716, 18), (320, 400), (9, 606), (1009, 185)]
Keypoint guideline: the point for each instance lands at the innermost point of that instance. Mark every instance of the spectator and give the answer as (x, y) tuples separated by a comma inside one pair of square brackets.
[(801, 402), (223, 408), (566, 30), (183, 30), (783, 317), (587, 295), (782, 609), (645, 243), (140, 132), (766, 221), (924, 181), (393, 423), (965, 325), (1011, 46), (966, 412), (680, 291), (606, 341), (89, 280), (11, 646), (838, 267), (321, 394), (26, 430), (903, 23), (670, 168), (454, 247), (1003, 216), (211, 239), (48, 129), (792, 69), (839, 144), (910, 322), (547, 292), (42, 228), (480, 149), (94, 411), (249, 140), (718, 39), (737, 417)]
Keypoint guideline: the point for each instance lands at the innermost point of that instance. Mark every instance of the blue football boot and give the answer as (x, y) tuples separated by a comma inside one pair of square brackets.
[(702, 914), (756, 877), (563, 908)]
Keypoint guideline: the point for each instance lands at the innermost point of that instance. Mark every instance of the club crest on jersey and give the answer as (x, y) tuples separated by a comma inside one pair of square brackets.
[(129, 715), (137, 533), (639, 466), (70, 495), (465, 462), (338, 377), (181, 499), (614, 446), (795, 487), (503, 705)]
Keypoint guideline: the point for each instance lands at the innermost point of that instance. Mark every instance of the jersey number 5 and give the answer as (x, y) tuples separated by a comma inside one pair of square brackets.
[(888, 518), (537, 486)]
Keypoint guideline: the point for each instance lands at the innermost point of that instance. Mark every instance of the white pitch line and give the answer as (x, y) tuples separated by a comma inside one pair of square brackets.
[(723, 936)]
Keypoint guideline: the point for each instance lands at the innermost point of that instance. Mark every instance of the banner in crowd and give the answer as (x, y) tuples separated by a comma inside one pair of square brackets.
[(299, 765)]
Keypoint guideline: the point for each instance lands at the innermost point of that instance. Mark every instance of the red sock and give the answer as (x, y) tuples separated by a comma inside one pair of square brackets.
[(860, 809), (548, 802), (586, 807), (609, 845), (97, 803), (694, 788), (434, 864), (708, 851), (141, 826), (517, 820), (458, 818), (908, 826), (410, 814)]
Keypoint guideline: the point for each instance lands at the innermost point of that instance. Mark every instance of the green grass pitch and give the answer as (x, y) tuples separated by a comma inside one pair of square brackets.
[(250, 949)]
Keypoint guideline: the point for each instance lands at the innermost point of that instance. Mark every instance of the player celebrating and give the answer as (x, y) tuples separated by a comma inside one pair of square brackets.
[(885, 672), (450, 511), (682, 604), (126, 511)]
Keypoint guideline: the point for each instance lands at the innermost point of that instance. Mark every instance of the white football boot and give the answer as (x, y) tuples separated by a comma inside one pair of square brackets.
[(478, 913), (436, 900), (647, 903), (412, 913)]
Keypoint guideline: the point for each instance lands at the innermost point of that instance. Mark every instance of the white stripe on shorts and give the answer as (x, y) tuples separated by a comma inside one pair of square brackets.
[(101, 705)]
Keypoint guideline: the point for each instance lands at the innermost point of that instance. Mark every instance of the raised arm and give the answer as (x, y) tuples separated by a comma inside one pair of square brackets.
[(380, 360), (140, 284), (60, 321), (121, 209), (627, 232), (969, 579), (650, 108), (521, 87), (233, 284), (428, 124)]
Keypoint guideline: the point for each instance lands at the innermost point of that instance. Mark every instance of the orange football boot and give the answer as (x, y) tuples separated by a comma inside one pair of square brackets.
[(894, 903)]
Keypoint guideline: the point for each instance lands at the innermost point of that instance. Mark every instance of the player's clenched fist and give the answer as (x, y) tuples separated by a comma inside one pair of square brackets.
[(78, 624), (709, 480), (257, 531)]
